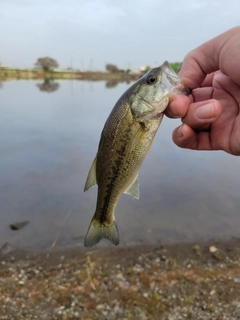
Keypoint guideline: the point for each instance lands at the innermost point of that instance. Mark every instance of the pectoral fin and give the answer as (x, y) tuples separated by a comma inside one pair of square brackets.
[(91, 178), (137, 138), (133, 189)]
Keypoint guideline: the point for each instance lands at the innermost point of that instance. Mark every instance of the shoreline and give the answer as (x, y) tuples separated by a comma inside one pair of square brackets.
[(180, 250), (25, 74)]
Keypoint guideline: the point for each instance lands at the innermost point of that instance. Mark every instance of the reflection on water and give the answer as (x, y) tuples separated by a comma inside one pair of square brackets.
[(48, 86), (113, 83), (47, 144)]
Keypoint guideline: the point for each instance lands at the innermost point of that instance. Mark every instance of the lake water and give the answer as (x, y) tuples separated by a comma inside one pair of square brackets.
[(48, 141)]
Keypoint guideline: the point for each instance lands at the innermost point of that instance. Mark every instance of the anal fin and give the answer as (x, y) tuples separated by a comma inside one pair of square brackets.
[(91, 178), (133, 189)]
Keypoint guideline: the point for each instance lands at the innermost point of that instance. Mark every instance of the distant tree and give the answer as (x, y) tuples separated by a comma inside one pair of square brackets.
[(145, 69), (46, 63), (111, 68), (176, 66)]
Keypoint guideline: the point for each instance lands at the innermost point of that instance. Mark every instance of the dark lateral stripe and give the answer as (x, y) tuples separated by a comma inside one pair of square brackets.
[(110, 186)]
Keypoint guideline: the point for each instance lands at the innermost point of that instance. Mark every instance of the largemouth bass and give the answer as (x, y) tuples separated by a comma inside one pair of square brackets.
[(125, 141)]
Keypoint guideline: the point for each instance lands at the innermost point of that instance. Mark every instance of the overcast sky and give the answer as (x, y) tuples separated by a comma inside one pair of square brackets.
[(90, 33)]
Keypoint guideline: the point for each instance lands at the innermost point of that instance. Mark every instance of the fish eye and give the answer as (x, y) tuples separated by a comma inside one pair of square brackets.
[(151, 79)]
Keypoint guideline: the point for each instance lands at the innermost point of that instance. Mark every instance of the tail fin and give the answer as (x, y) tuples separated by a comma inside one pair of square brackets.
[(97, 232)]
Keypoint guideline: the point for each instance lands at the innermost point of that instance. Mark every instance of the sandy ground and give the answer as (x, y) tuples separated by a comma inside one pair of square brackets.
[(174, 281)]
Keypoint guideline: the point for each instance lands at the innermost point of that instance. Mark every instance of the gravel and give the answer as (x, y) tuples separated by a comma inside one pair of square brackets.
[(171, 282)]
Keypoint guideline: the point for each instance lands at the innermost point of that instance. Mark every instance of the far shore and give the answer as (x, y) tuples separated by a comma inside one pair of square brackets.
[(28, 74)]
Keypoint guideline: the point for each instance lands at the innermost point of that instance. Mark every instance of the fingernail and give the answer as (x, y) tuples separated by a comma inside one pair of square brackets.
[(179, 132), (205, 111)]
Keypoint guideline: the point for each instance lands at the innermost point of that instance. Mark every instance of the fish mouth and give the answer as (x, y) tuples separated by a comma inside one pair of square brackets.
[(172, 82), (169, 77)]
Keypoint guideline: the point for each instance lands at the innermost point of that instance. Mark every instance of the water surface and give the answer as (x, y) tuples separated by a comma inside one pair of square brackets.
[(48, 140)]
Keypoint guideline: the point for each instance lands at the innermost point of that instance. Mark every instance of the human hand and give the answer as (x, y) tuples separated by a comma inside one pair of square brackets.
[(210, 116)]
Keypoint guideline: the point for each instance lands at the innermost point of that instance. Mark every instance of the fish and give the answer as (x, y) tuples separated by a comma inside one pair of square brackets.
[(125, 140)]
